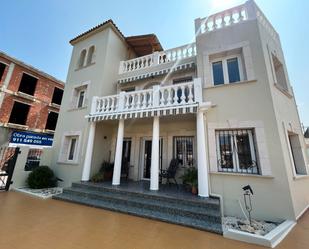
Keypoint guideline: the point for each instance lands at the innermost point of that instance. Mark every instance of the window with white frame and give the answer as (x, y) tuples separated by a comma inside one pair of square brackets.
[(236, 151), (297, 154), (72, 148), (280, 77), (184, 150), (79, 98), (81, 59), (69, 148), (227, 70), (91, 55)]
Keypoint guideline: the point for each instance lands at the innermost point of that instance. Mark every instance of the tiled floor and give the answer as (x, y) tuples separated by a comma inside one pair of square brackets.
[(169, 190), (27, 222)]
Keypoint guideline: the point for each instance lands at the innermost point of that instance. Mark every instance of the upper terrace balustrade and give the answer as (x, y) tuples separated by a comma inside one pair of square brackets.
[(232, 16), (222, 19), (164, 60), (160, 100)]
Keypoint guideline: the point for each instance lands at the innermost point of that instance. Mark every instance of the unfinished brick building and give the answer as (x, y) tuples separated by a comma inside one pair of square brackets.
[(29, 99)]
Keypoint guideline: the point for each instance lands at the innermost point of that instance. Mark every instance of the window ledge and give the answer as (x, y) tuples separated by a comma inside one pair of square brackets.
[(17, 126), (25, 95), (67, 163), (77, 109), (88, 65), (241, 174), (49, 131), (282, 90), (232, 84), (299, 177), (54, 105)]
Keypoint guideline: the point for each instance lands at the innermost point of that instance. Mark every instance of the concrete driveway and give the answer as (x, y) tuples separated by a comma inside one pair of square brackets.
[(27, 222)]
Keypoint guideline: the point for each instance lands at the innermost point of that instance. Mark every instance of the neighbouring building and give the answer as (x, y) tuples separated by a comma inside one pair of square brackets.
[(29, 98), (29, 105), (223, 104)]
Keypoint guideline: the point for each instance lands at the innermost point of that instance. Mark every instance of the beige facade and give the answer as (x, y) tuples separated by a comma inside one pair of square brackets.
[(249, 103)]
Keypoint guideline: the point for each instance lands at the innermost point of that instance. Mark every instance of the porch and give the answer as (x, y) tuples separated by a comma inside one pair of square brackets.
[(159, 112)]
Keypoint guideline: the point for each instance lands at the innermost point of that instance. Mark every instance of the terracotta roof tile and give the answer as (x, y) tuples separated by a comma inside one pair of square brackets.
[(95, 28)]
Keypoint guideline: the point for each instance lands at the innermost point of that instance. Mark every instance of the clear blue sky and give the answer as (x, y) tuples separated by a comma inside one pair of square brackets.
[(38, 32)]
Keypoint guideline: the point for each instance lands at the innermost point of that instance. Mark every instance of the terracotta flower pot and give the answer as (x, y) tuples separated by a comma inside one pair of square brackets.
[(194, 190), (108, 175)]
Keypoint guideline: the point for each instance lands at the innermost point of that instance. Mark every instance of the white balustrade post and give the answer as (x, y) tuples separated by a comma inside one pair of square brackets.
[(198, 90), (118, 154), (121, 67), (88, 156), (155, 58), (121, 102), (94, 105), (155, 96), (154, 170), (251, 9), (202, 167), (198, 24)]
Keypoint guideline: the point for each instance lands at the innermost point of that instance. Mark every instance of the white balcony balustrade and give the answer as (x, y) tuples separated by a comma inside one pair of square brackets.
[(232, 16), (222, 19), (158, 58), (171, 99)]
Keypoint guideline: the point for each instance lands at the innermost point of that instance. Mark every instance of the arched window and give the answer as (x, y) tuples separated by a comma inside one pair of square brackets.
[(90, 57), (82, 57)]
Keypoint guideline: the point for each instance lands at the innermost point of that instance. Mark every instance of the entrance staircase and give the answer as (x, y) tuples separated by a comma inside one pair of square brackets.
[(168, 205)]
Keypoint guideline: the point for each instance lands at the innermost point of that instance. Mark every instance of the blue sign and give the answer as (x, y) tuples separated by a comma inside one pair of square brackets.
[(22, 137)]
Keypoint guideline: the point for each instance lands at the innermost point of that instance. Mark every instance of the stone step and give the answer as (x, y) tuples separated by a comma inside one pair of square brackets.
[(201, 224), (208, 203), (192, 211)]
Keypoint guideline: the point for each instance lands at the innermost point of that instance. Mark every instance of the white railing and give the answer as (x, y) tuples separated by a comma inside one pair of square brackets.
[(158, 97), (229, 17), (176, 54), (157, 58), (222, 19)]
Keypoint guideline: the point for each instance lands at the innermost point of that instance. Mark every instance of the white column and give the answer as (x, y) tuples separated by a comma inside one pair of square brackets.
[(88, 156), (202, 167), (154, 171), (118, 154)]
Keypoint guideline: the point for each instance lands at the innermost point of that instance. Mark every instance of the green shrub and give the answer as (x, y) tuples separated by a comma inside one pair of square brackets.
[(107, 167), (98, 177), (190, 177), (42, 177)]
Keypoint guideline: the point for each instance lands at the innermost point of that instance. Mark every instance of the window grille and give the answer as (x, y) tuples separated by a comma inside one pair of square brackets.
[(236, 151), (33, 159), (184, 150)]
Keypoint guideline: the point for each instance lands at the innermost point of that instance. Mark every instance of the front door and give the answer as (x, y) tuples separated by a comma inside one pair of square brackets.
[(126, 158), (146, 164), (147, 159)]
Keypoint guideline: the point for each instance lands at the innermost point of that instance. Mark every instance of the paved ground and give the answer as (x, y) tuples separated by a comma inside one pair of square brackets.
[(27, 222)]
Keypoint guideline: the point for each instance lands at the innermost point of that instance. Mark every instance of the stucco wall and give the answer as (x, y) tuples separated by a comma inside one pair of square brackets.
[(249, 101), (101, 80), (287, 119)]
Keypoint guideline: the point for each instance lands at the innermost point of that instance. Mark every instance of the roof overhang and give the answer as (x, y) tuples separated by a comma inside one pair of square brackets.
[(144, 44)]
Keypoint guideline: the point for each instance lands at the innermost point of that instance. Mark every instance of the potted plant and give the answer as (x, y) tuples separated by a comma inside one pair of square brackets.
[(194, 187), (107, 170), (190, 179), (105, 173)]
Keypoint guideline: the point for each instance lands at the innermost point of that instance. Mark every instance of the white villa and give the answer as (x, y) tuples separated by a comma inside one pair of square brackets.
[(223, 104)]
